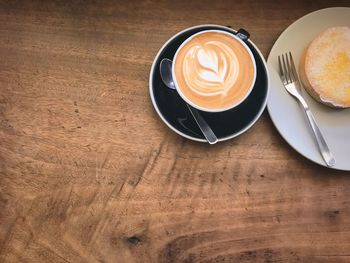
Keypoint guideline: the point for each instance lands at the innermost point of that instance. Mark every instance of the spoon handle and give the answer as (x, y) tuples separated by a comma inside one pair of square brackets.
[(203, 125)]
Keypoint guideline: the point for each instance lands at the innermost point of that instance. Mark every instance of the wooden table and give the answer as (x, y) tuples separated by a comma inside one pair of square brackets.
[(89, 173)]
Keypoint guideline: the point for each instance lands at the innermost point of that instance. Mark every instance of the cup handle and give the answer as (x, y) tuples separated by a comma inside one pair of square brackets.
[(242, 34)]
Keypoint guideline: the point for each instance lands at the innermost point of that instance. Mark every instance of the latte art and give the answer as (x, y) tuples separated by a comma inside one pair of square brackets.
[(211, 69), (214, 70)]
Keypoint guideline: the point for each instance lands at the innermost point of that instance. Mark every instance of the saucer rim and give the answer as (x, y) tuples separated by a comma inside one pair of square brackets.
[(155, 106)]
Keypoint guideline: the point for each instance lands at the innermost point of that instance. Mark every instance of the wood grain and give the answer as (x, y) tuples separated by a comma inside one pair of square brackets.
[(89, 173)]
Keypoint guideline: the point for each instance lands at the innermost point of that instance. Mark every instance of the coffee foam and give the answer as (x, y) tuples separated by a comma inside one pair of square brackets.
[(213, 70)]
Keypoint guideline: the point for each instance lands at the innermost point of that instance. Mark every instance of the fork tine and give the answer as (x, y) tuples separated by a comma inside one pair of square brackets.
[(281, 69), (285, 70), (289, 70), (294, 71)]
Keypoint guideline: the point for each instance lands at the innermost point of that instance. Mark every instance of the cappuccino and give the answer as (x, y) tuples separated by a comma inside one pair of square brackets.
[(214, 70)]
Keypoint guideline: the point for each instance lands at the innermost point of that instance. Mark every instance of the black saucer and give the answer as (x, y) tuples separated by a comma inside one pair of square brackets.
[(228, 124)]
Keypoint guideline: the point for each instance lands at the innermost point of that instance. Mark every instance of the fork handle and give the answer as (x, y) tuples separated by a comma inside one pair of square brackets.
[(322, 145)]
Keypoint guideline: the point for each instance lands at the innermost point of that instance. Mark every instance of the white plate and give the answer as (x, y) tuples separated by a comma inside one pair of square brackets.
[(285, 112)]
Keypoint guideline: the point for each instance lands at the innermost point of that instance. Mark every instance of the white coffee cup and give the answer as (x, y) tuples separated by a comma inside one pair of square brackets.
[(241, 36)]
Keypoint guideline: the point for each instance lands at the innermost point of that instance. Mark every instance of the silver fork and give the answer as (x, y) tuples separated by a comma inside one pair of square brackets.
[(291, 82)]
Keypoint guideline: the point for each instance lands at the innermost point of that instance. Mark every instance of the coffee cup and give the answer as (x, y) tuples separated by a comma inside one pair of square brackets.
[(214, 70)]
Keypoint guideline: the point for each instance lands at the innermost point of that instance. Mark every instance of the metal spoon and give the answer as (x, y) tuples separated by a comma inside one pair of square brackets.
[(166, 75)]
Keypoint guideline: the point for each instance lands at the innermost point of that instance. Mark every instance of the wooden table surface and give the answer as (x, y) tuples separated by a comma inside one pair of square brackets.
[(89, 173)]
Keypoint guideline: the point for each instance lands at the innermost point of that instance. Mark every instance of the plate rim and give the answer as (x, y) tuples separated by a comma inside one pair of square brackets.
[(155, 106), (271, 68)]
